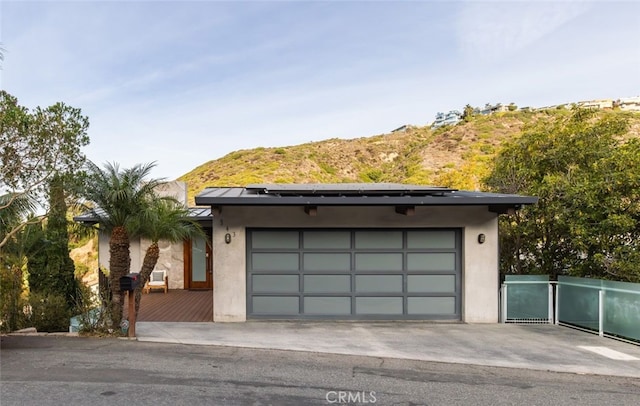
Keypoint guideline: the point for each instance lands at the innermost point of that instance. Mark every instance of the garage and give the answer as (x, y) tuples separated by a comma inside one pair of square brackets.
[(379, 251), (382, 274)]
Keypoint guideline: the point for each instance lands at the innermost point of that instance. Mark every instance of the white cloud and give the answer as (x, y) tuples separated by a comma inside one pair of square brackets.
[(494, 30)]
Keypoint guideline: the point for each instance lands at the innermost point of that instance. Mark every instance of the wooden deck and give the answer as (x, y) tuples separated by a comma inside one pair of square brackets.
[(176, 305)]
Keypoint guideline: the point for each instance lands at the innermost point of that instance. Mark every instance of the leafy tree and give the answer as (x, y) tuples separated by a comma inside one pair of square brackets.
[(120, 197), (13, 260), (587, 221), (163, 219), (34, 147), (467, 113)]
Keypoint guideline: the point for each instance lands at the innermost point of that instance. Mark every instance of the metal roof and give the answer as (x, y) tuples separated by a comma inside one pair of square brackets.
[(354, 194), (92, 216)]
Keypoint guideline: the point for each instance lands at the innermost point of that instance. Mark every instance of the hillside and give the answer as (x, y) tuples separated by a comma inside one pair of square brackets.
[(455, 156)]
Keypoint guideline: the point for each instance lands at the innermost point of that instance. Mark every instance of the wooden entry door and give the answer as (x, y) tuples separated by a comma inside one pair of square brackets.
[(198, 272)]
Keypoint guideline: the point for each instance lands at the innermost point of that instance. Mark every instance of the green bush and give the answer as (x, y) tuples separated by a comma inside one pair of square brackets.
[(49, 312), (12, 304)]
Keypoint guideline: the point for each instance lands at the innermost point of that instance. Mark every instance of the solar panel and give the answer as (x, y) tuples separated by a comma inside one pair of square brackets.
[(347, 189)]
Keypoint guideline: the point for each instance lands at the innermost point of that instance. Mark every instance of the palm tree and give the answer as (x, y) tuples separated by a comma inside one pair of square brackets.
[(120, 197), (18, 233), (163, 219), (14, 209)]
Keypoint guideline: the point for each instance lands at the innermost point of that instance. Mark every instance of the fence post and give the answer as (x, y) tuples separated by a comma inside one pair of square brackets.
[(557, 309), (503, 294), (550, 306), (601, 313)]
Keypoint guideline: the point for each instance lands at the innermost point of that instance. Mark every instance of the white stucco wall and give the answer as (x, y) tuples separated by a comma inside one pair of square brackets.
[(171, 255), (104, 255), (175, 189), (479, 261), (171, 258)]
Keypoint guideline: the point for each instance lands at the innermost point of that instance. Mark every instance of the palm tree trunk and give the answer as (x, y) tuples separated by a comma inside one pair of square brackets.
[(119, 265), (149, 262)]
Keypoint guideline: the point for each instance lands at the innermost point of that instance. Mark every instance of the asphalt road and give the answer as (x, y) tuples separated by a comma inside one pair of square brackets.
[(91, 371)]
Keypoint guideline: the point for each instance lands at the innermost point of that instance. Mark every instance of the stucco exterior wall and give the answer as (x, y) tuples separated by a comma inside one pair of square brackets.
[(479, 261), (171, 255), (171, 260), (175, 189)]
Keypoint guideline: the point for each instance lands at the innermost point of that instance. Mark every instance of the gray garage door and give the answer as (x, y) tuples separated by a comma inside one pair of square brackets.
[(354, 274)]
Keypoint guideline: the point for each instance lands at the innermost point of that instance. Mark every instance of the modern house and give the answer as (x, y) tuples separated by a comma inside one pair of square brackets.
[(362, 251), (402, 129), (493, 108), (355, 252), (451, 118)]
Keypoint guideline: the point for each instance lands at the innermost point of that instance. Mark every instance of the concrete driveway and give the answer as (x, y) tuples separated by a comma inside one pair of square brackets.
[(538, 347)]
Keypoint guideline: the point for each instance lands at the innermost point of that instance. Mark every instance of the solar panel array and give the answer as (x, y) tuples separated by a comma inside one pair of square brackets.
[(347, 189)]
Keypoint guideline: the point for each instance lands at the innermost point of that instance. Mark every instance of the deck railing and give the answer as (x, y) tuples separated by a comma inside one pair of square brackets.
[(608, 308)]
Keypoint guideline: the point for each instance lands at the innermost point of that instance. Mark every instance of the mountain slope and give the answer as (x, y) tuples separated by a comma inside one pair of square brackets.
[(454, 156)]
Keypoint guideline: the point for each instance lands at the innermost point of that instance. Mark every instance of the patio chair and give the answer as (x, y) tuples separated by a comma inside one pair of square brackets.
[(157, 280)]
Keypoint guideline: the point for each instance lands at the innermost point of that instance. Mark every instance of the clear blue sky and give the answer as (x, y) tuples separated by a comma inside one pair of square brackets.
[(182, 83)]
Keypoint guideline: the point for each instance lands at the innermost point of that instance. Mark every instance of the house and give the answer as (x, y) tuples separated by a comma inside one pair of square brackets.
[(596, 104), (453, 117), (402, 128), (493, 108), (355, 251), (187, 264), (629, 103), (365, 251)]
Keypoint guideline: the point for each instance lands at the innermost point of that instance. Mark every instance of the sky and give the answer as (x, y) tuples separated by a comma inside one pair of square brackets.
[(182, 83)]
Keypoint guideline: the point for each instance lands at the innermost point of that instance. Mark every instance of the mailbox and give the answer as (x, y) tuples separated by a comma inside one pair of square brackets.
[(130, 281)]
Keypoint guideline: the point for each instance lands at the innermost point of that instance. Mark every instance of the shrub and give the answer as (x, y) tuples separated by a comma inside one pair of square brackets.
[(49, 312)]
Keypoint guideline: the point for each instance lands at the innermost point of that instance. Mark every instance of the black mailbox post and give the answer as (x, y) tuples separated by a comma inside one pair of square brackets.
[(130, 281)]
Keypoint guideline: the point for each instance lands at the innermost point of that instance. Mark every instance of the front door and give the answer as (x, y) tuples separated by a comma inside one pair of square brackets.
[(198, 270)]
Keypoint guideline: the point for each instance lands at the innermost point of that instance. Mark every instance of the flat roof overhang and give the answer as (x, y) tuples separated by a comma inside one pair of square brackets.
[(93, 216), (346, 195)]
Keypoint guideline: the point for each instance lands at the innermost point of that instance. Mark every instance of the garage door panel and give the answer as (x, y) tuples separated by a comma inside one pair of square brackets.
[(379, 305), (275, 239), (431, 305), (431, 261), (327, 283), (276, 305), (379, 262), (431, 239), (275, 283), (431, 283), (378, 283), (378, 240), (326, 239), (331, 305), (328, 261), (275, 261)]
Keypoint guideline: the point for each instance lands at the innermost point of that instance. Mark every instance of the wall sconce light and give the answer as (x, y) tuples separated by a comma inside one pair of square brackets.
[(227, 238), (481, 238)]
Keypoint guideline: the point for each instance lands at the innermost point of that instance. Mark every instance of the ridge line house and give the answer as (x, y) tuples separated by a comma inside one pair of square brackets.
[(363, 251)]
